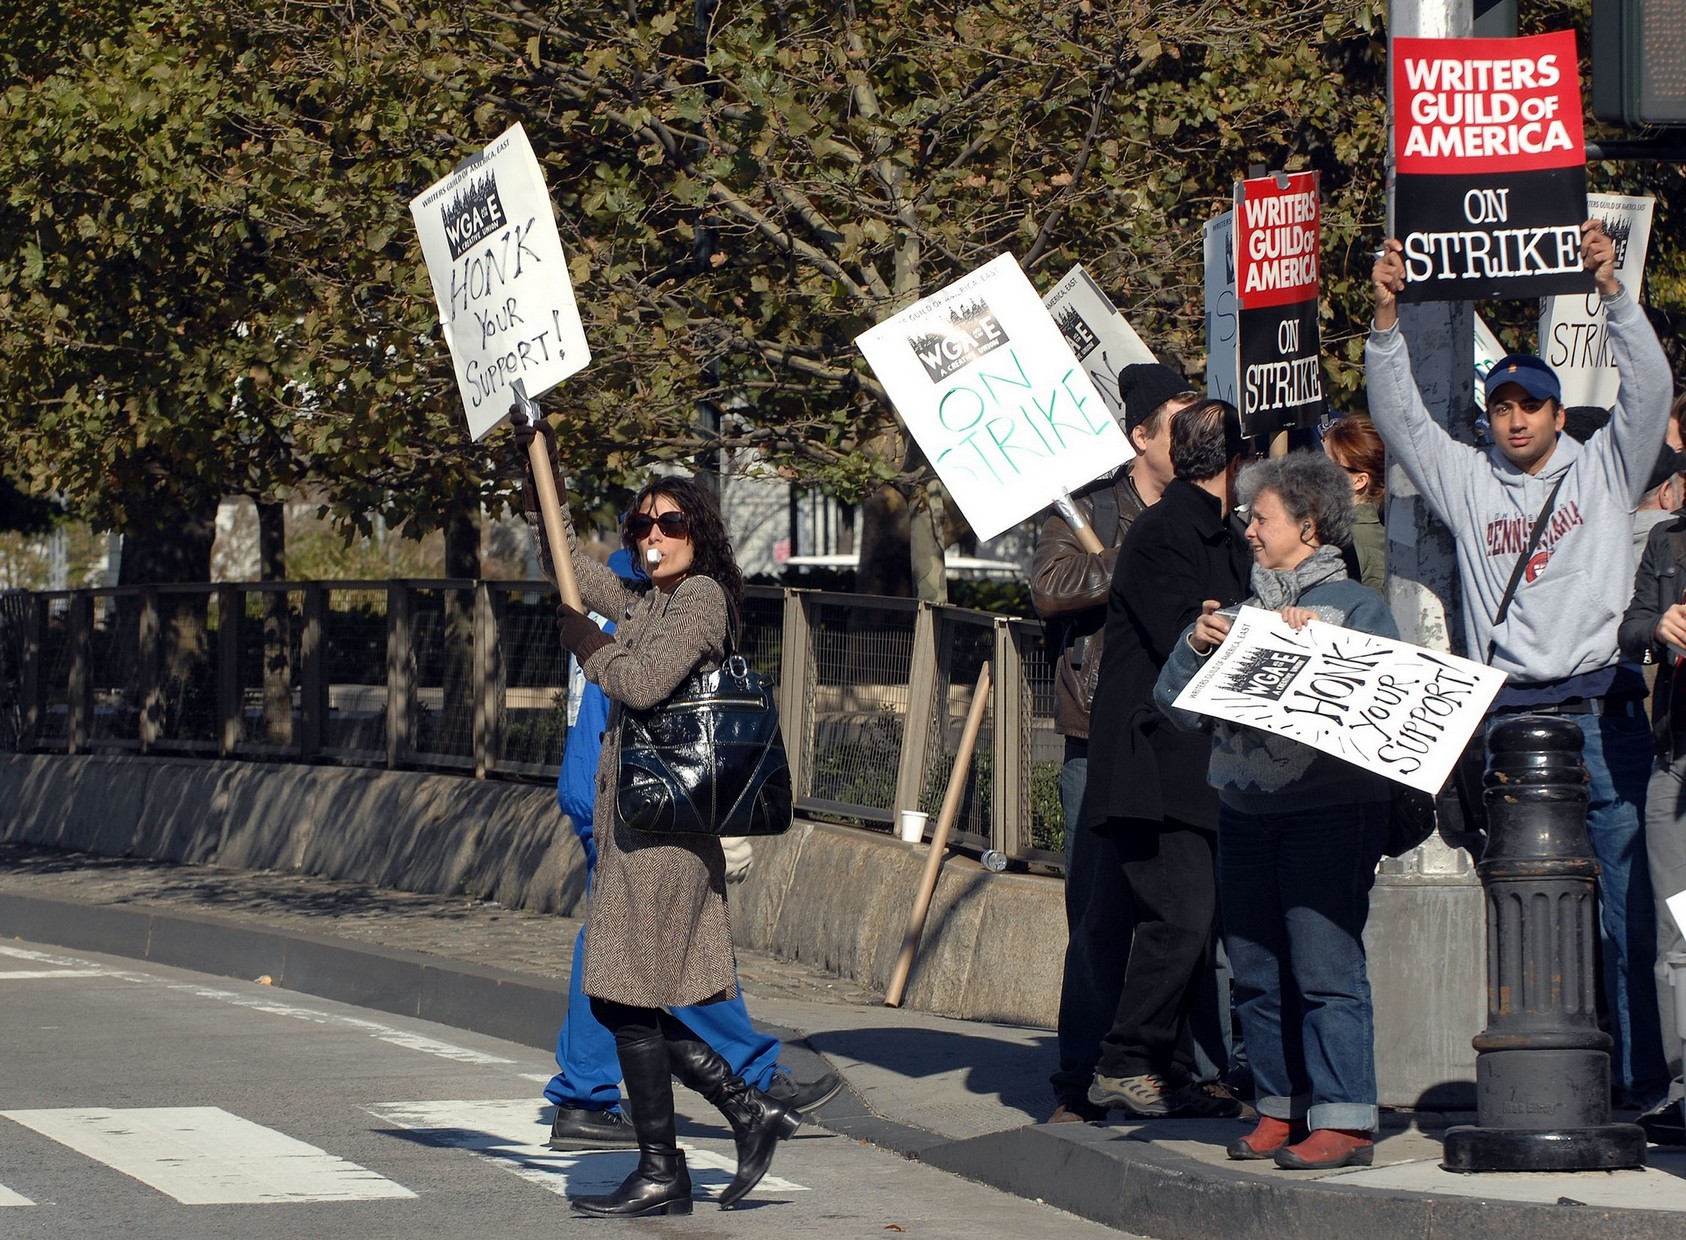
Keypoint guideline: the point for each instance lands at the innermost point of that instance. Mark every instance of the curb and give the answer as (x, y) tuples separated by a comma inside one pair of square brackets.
[(1127, 1183)]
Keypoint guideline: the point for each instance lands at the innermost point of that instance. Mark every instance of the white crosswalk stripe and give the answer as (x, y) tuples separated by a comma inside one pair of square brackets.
[(510, 1133), (36, 975), (266, 1003), (206, 1156), (9, 1198)]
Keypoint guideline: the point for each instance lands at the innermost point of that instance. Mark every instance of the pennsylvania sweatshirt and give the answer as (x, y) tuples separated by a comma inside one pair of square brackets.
[(1562, 621)]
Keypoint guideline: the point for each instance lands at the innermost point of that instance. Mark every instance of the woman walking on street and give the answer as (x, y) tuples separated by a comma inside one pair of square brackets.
[(658, 933), (1299, 835)]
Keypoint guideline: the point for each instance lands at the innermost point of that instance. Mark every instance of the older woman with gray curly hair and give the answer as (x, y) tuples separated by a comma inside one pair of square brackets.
[(1299, 835)]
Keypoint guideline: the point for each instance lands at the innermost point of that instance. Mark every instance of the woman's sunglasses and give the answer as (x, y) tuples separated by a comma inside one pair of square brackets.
[(674, 524)]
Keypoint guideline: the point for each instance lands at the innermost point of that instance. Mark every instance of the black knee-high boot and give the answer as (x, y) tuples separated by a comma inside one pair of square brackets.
[(758, 1122), (661, 1185)]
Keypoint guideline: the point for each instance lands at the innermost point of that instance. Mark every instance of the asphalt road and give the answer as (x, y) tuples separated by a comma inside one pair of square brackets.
[(138, 1101)]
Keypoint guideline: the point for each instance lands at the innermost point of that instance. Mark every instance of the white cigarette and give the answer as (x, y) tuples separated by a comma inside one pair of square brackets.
[(652, 556)]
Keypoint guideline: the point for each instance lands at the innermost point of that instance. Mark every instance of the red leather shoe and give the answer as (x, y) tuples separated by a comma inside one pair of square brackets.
[(1263, 1142), (1328, 1148)]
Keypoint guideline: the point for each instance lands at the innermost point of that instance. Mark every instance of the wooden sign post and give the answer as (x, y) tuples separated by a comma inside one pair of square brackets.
[(939, 841), (550, 500)]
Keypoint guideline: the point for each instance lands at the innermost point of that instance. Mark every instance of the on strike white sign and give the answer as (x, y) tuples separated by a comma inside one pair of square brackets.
[(1574, 337), (1387, 706), (1101, 339), (986, 384), (500, 277)]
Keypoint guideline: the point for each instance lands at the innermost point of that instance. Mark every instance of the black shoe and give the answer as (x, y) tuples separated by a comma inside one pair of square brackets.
[(661, 1184), (803, 1095), (1663, 1124), (759, 1122), (579, 1129)]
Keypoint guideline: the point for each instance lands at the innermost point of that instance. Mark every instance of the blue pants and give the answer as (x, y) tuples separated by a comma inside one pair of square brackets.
[(590, 1074), (1296, 893), (1617, 754)]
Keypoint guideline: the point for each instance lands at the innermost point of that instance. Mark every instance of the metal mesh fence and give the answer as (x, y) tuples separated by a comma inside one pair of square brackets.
[(354, 647), (17, 614), (1041, 749), (762, 639), (269, 668), (862, 651), (442, 685), (183, 708), (52, 725), (535, 670), (965, 642), (113, 671), (480, 680)]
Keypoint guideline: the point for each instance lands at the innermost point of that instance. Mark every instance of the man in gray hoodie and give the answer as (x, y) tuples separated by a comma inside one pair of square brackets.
[(1557, 642)]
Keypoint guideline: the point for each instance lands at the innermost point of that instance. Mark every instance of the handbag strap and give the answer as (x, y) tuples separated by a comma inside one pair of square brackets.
[(1522, 561)]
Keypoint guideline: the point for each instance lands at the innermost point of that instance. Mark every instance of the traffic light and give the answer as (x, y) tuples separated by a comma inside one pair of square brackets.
[(1639, 61)]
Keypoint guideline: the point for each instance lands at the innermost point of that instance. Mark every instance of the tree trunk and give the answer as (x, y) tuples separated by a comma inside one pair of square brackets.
[(925, 545), (177, 697), (885, 565), (277, 626)]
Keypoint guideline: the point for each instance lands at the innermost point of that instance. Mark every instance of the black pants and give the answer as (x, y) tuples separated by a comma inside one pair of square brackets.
[(1168, 870), (635, 1024), (1097, 909)]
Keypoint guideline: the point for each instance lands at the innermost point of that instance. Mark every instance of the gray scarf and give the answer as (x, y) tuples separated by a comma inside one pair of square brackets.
[(1276, 588)]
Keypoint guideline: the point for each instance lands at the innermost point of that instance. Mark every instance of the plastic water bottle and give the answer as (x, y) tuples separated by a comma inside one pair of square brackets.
[(993, 861)]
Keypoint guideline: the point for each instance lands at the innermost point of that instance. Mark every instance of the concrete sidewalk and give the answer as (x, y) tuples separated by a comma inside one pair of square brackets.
[(964, 1096)]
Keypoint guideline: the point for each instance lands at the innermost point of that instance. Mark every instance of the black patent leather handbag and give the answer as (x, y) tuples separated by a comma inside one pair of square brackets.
[(708, 761)]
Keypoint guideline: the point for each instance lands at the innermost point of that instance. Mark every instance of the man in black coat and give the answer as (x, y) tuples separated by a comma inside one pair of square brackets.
[(1147, 786)]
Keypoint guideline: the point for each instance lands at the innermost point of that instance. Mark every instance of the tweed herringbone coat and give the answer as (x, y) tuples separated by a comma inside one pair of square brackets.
[(658, 931)]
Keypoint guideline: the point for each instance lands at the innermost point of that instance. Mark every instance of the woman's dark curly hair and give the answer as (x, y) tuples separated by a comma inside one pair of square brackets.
[(1311, 487), (711, 552)]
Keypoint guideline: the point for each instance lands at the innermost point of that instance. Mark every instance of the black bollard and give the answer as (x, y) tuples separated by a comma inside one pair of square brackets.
[(1542, 1071)]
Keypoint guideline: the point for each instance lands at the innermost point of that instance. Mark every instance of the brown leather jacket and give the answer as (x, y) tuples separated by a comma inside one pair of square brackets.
[(1068, 587)]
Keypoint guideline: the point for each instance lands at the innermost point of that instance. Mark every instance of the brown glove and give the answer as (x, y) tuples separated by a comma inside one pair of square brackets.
[(580, 635)]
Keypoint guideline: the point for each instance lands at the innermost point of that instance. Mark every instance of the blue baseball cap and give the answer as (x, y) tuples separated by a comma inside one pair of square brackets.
[(1528, 373)]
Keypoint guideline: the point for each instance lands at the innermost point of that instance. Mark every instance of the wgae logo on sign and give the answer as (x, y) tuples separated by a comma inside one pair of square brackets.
[(971, 331), (1265, 673), (474, 212)]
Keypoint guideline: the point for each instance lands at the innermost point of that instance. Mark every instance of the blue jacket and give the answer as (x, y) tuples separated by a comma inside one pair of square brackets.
[(576, 791)]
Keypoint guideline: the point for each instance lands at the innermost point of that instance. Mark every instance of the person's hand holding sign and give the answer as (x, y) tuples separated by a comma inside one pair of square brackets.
[(1670, 629), (1388, 276), (535, 439), (1598, 255), (1297, 618), (1210, 630)]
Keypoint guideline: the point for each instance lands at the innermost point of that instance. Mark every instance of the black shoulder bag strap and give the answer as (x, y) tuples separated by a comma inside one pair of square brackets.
[(1522, 562)]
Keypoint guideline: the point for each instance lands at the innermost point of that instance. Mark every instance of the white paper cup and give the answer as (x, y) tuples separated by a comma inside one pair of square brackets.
[(913, 825)]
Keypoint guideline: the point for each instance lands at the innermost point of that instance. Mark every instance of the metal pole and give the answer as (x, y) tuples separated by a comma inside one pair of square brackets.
[(1543, 1068)]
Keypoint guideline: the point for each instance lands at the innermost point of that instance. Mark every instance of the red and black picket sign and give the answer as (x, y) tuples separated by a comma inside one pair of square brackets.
[(1278, 221), (1489, 156)]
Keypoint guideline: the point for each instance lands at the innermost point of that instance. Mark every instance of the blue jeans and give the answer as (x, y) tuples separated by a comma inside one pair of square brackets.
[(1295, 890), (590, 1073), (1617, 754)]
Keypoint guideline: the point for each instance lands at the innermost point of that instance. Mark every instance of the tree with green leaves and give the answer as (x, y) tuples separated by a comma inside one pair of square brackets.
[(209, 283)]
